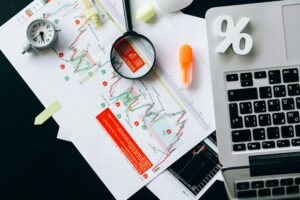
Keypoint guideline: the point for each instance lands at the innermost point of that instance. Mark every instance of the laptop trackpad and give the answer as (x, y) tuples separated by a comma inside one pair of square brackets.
[(291, 21)]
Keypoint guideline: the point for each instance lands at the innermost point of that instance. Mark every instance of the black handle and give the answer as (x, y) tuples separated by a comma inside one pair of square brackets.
[(127, 12)]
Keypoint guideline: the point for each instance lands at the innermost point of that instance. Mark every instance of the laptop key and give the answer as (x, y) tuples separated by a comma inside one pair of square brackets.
[(246, 108), (288, 104), (246, 76), (243, 186), (264, 192), (250, 121), (259, 106), (279, 91), (292, 190), (286, 181), (241, 136), (268, 144), (297, 130), (247, 194), (293, 89), (247, 83), (298, 102), (274, 77), (297, 181), (265, 92), (290, 75), (283, 143), (257, 184), (232, 77), (292, 117), (272, 183), (236, 122), (274, 105), (260, 75), (259, 134), (242, 94), (253, 146), (264, 120), (233, 110), (296, 142), (287, 131), (278, 191), (239, 147), (278, 118), (273, 133)]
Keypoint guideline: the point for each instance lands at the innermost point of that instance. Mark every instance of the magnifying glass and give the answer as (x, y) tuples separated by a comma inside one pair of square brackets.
[(132, 55)]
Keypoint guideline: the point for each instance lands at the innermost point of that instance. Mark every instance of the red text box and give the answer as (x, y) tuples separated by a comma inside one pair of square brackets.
[(124, 141), (129, 55)]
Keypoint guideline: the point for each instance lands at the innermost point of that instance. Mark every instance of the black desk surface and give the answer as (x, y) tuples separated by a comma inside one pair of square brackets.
[(33, 163)]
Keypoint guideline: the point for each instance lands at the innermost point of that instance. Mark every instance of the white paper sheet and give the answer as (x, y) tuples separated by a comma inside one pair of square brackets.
[(175, 189), (161, 151), (171, 127)]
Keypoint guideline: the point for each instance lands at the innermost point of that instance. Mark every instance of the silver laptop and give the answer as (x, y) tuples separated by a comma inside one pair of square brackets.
[(255, 68)]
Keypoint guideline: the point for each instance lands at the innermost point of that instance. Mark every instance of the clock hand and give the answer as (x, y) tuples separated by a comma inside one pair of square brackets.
[(42, 36), (36, 37)]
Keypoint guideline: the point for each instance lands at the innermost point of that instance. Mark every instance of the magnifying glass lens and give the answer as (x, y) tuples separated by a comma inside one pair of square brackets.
[(133, 56)]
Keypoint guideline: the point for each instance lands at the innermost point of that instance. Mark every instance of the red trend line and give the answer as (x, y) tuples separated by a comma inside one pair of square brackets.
[(112, 87), (75, 51), (168, 153), (179, 134), (179, 121), (84, 23), (181, 117), (72, 46), (132, 103)]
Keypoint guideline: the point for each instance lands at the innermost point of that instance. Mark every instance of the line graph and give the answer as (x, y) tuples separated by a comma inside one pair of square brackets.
[(72, 46), (82, 62), (166, 127), (128, 97), (143, 106), (173, 143), (82, 53), (66, 9), (148, 109)]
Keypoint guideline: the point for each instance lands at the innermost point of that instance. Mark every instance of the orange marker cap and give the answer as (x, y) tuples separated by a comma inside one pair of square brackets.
[(186, 60)]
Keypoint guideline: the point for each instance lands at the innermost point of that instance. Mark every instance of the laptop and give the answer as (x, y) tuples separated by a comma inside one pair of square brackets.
[(255, 68)]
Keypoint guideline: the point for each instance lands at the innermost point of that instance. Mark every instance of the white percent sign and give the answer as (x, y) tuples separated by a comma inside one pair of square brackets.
[(233, 35)]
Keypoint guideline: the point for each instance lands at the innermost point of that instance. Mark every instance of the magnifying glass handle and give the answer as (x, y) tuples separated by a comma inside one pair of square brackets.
[(127, 12)]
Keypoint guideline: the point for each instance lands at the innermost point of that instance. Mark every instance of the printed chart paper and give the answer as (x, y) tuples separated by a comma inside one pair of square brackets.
[(128, 131)]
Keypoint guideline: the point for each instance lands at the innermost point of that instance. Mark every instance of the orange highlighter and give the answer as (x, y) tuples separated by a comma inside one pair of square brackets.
[(186, 62)]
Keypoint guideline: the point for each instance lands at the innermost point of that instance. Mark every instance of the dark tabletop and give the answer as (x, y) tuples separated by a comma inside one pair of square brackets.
[(33, 163)]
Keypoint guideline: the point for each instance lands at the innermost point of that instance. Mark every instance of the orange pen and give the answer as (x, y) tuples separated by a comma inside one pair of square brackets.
[(186, 61)]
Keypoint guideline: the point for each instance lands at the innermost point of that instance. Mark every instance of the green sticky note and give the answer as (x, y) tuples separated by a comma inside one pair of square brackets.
[(146, 13), (47, 113)]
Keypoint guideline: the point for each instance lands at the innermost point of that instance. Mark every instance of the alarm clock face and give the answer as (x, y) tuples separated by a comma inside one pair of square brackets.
[(41, 34)]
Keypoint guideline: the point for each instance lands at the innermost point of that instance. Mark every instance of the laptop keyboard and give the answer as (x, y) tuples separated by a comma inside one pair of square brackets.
[(267, 188), (263, 109)]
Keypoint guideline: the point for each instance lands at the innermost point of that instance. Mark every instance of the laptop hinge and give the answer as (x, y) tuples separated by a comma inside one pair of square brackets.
[(271, 164)]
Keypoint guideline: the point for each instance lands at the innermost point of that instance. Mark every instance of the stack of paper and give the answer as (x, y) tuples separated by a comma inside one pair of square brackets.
[(128, 131)]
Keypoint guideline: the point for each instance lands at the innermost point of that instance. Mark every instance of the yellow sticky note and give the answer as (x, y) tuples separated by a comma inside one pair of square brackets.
[(47, 113), (93, 15), (91, 12), (146, 13)]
